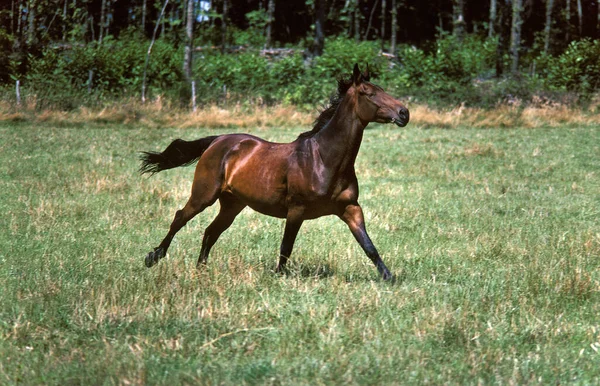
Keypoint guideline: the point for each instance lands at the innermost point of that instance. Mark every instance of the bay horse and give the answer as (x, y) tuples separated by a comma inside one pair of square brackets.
[(310, 177)]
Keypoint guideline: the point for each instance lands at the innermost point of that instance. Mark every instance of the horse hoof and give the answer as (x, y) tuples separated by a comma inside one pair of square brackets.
[(153, 257)]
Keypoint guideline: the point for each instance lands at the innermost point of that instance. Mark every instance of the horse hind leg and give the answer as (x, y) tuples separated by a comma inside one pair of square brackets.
[(201, 198), (230, 207)]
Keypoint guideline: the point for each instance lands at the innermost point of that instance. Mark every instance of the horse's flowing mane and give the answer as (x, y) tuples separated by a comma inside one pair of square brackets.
[(326, 115)]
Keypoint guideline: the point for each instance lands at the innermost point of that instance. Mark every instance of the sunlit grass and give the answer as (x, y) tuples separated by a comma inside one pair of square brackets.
[(161, 113), (493, 233)]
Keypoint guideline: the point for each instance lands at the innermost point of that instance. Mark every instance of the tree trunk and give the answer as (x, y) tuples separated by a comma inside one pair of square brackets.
[(568, 15), (107, 20), (144, 17), (383, 9), (189, 42), (102, 18), (493, 13), (356, 21), (17, 44), (370, 23), (150, 50), (548, 26), (224, 26), (31, 36), (458, 19), (270, 12), (64, 21), (580, 18), (12, 17), (393, 28), (319, 41), (515, 34), (598, 23)]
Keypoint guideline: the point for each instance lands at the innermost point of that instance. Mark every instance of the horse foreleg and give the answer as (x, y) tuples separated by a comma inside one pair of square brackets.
[(227, 213), (292, 226), (354, 218)]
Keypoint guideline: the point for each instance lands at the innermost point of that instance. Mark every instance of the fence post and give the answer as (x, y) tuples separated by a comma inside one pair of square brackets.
[(90, 78), (193, 96), (18, 91)]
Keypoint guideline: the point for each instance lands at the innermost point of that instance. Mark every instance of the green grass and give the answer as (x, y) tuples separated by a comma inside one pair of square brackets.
[(494, 235)]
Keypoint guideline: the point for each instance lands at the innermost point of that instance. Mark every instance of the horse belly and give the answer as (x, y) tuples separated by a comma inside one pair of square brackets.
[(258, 179), (262, 197)]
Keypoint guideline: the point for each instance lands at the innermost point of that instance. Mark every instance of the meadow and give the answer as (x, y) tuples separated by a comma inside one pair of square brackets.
[(492, 230)]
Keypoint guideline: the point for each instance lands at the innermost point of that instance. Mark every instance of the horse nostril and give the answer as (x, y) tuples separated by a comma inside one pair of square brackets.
[(404, 114)]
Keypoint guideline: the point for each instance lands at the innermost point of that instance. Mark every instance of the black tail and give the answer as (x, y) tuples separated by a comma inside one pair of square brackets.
[(178, 153)]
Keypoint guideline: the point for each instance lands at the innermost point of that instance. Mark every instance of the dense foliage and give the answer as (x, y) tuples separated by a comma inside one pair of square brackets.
[(94, 52), (450, 72)]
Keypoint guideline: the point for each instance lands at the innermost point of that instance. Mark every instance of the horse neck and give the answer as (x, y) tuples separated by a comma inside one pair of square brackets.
[(339, 141)]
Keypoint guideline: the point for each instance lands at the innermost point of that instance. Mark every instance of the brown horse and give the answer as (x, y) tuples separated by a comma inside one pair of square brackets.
[(311, 177)]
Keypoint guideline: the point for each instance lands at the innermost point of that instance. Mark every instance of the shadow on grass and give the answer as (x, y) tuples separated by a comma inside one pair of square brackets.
[(325, 270), (308, 270)]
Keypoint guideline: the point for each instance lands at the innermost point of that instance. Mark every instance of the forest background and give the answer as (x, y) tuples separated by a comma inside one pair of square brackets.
[(64, 54)]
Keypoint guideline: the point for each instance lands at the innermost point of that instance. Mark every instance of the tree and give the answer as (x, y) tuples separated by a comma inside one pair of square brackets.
[(270, 19), (356, 20), (383, 9), (224, 26), (568, 16), (580, 18), (458, 18), (189, 42), (143, 25), (492, 22), (548, 25), (162, 13), (102, 21), (370, 23), (515, 35), (319, 40), (31, 18), (394, 28)]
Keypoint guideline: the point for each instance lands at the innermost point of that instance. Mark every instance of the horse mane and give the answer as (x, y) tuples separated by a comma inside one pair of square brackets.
[(330, 109)]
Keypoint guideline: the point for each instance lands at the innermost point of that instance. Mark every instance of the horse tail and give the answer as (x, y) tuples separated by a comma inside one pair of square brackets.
[(178, 153)]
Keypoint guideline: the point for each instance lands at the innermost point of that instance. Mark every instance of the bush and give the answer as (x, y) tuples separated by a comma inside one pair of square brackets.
[(289, 79), (448, 73), (577, 69), (240, 74), (60, 78)]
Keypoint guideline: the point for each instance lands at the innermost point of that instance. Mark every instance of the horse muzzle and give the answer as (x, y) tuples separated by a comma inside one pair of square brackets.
[(403, 117)]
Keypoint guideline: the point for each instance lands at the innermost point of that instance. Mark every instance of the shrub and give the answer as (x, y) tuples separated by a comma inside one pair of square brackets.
[(577, 69), (60, 78), (446, 74)]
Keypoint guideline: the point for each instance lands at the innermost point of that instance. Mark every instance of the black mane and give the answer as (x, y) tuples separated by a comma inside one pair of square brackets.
[(326, 115)]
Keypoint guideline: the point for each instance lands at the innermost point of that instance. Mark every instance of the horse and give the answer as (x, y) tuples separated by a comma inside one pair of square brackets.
[(310, 177)]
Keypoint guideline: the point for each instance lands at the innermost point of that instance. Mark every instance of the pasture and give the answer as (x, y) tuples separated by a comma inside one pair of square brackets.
[(493, 234)]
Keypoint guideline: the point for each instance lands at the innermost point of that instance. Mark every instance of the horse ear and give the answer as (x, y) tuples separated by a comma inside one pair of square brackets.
[(356, 75), (367, 74)]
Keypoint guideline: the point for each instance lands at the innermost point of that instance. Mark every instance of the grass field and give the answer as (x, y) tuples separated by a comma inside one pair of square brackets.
[(493, 233)]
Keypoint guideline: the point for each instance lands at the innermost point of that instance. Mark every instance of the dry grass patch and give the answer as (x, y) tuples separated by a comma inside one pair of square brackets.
[(160, 113), (503, 116)]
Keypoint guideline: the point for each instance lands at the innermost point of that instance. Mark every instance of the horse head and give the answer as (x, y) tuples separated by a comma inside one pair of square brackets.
[(373, 104)]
